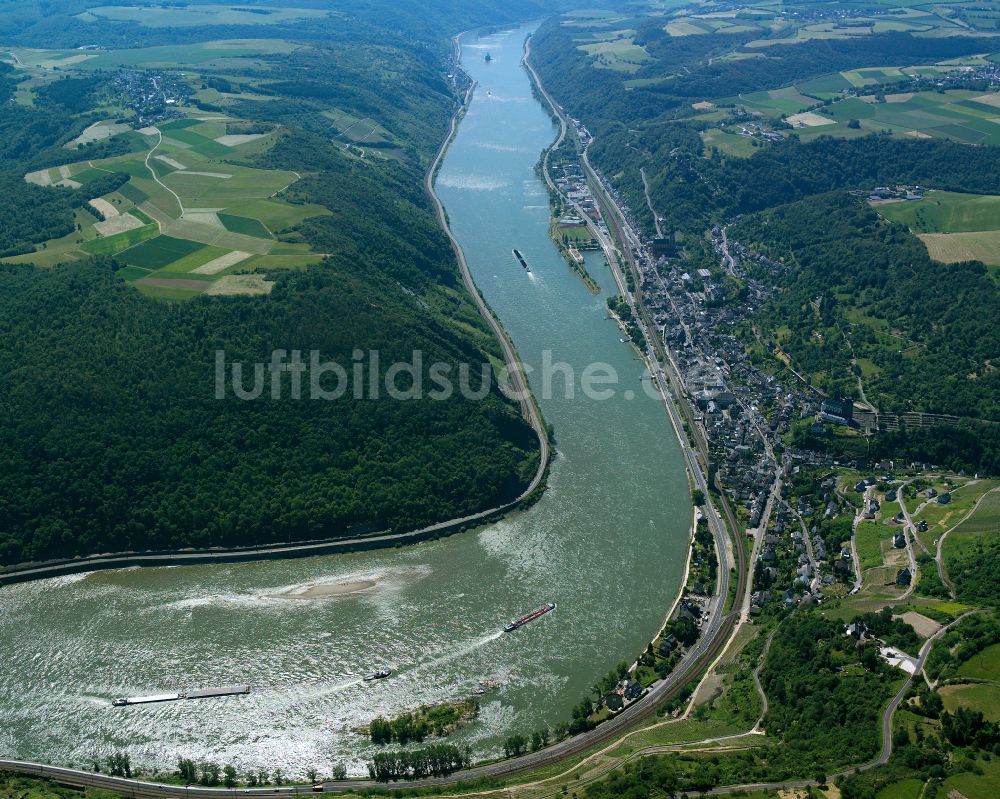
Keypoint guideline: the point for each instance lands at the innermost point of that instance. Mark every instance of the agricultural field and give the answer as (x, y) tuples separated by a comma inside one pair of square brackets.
[(946, 212), (904, 789), (870, 537), (983, 665), (928, 21), (753, 21), (965, 116), (984, 521), (819, 106), (359, 131), (216, 54), (980, 696), (187, 218), (728, 142), (975, 786), (952, 516), (615, 50), (969, 551), (954, 247), (185, 16), (954, 227), (777, 101)]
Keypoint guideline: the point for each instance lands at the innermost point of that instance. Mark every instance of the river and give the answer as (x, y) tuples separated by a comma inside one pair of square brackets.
[(607, 542)]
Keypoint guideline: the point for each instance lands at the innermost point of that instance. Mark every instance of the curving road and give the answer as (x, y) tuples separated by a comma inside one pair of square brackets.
[(714, 639), (939, 549), (715, 634), (513, 363), (518, 387)]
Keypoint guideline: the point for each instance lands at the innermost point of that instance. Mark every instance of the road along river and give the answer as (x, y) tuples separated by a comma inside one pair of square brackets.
[(607, 542)]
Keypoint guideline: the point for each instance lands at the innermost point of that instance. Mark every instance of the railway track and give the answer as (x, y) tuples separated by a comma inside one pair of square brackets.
[(717, 634)]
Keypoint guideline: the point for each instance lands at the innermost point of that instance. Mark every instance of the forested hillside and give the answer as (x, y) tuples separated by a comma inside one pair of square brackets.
[(706, 120), (112, 438), (856, 286)]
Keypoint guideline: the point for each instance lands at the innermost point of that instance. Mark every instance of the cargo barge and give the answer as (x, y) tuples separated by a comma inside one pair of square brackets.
[(520, 258), (548, 607), (198, 693)]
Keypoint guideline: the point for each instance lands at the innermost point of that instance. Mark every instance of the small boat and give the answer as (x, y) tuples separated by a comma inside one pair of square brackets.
[(119, 702), (381, 674)]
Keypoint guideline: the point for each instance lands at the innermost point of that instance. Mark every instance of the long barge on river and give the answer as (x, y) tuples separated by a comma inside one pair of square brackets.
[(520, 258), (548, 607), (198, 693)]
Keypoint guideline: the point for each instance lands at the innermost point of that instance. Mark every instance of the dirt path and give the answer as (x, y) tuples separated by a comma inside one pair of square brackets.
[(939, 552), (649, 203), (180, 205)]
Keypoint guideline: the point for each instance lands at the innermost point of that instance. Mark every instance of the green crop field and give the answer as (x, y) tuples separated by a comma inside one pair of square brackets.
[(976, 786), (775, 102), (620, 54), (277, 216), (197, 258), (986, 518), (195, 15), (183, 133), (217, 54), (88, 175), (825, 85), (180, 124), (728, 143), (159, 251), (904, 789), (869, 541), (947, 212), (223, 185), (132, 192), (983, 665), (981, 696), (113, 245), (141, 216), (245, 225), (961, 115)]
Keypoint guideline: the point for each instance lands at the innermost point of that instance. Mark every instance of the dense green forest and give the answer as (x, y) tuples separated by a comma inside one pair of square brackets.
[(31, 137), (854, 286), (112, 438), (963, 446)]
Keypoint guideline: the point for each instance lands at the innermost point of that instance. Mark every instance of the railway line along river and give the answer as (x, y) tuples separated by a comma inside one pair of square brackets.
[(606, 542)]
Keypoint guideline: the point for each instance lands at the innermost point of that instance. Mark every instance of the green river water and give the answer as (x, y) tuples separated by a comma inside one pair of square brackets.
[(607, 542)]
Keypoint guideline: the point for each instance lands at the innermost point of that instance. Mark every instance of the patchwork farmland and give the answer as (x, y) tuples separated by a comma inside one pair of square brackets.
[(190, 215), (857, 103), (954, 226)]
